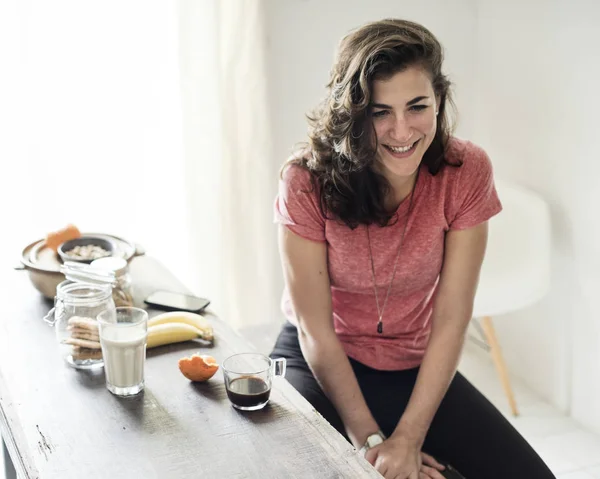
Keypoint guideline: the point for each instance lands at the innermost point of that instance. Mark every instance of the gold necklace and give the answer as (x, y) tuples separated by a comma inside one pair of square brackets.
[(381, 310)]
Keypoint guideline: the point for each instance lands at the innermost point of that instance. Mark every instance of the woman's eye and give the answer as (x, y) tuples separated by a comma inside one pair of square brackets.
[(378, 114), (418, 107)]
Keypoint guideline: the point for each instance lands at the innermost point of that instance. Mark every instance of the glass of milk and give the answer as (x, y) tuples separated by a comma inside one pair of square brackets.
[(123, 344)]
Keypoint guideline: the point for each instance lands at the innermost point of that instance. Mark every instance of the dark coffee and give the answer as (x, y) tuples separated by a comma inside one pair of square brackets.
[(248, 391)]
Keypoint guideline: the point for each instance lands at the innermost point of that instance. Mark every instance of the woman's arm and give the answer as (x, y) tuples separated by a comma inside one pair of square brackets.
[(400, 455), (307, 278), (452, 310)]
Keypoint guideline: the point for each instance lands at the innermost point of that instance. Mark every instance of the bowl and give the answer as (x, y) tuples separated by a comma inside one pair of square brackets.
[(86, 249), (43, 265)]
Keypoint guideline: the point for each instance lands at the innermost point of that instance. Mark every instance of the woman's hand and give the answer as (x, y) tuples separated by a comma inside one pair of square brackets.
[(430, 467), (400, 458)]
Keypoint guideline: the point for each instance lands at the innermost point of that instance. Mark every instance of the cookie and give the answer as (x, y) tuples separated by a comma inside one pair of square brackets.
[(82, 322), (80, 333), (81, 354), (85, 343)]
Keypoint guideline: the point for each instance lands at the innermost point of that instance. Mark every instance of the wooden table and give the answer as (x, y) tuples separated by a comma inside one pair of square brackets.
[(62, 423)]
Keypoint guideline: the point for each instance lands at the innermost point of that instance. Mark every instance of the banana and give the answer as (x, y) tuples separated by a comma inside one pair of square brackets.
[(169, 333), (183, 317)]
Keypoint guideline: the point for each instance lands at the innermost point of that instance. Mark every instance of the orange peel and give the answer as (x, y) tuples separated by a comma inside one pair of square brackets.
[(198, 367)]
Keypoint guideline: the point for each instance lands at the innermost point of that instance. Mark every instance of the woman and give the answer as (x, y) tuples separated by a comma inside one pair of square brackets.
[(383, 231)]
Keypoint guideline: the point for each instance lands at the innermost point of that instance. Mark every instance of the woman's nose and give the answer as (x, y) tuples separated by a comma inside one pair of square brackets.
[(401, 130)]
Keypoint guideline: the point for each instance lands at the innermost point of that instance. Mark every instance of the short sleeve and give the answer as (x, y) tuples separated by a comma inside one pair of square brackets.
[(475, 199), (297, 204)]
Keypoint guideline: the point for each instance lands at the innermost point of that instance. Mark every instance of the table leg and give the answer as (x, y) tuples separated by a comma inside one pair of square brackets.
[(9, 468)]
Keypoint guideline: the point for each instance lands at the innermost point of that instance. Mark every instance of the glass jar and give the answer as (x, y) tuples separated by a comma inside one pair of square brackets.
[(76, 307), (123, 284)]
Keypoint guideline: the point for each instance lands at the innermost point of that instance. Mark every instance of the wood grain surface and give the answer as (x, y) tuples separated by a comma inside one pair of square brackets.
[(62, 423)]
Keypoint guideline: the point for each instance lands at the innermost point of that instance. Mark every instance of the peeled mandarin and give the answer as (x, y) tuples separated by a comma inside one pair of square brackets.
[(198, 367)]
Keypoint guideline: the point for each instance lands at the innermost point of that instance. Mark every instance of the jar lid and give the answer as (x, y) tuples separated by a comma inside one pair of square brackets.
[(110, 263), (83, 273)]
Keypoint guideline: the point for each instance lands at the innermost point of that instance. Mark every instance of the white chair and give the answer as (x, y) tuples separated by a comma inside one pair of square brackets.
[(516, 269)]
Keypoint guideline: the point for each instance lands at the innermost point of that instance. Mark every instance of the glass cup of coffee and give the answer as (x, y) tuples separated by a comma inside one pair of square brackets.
[(249, 378), (123, 342)]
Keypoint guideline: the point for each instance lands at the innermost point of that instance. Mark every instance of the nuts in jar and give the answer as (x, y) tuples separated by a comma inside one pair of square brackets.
[(122, 286)]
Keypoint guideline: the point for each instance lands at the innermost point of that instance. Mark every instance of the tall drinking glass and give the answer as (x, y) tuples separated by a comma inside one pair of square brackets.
[(123, 344)]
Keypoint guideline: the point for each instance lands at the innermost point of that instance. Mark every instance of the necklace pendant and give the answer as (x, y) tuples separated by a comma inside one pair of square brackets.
[(380, 327)]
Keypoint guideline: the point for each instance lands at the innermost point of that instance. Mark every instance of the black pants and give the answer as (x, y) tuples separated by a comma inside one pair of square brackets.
[(467, 431)]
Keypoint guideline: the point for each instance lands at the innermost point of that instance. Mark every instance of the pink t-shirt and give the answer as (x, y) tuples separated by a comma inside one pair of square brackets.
[(456, 198)]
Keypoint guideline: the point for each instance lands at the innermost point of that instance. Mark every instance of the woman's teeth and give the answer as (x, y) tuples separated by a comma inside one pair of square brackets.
[(400, 149)]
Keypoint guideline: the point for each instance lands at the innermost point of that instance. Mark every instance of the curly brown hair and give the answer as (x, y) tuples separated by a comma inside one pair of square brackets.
[(340, 151)]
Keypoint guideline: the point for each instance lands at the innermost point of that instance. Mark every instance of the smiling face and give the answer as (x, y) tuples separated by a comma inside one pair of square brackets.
[(403, 112)]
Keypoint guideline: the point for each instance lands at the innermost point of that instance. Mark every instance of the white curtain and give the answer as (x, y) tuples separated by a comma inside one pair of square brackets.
[(227, 142), (146, 119), (249, 178)]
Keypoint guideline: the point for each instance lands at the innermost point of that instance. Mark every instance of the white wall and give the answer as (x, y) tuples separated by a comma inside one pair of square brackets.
[(536, 107), (304, 34)]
